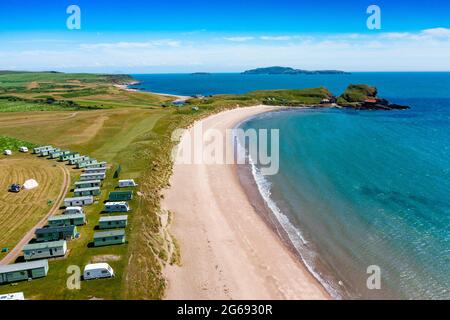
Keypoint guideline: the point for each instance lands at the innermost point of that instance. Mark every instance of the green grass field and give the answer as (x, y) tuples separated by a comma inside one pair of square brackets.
[(13, 143)]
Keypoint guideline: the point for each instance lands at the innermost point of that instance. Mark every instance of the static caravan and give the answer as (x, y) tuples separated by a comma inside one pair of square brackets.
[(92, 176), (7, 152), (92, 191), (55, 233), (78, 201), (55, 154), (97, 271), (113, 222), (127, 183), (120, 195), (46, 153), (88, 184), (23, 271), (78, 159), (106, 238), (95, 170), (42, 148), (76, 219), (45, 250), (97, 165), (83, 164), (73, 210), (58, 154), (121, 206), (23, 149), (69, 156)]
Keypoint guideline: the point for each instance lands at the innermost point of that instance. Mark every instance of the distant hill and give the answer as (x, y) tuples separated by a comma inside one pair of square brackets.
[(288, 70)]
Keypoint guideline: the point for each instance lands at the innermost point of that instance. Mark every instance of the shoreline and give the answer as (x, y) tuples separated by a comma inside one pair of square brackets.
[(125, 87), (230, 247), (253, 184)]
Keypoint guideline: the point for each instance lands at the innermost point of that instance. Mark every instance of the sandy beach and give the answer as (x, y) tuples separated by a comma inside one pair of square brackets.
[(228, 251)]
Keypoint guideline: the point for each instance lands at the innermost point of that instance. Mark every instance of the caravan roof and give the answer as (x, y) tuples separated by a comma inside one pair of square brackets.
[(45, 245), (65, 217), (95, 266), (111, 233), (24, 265), (79, 198), (113, 218), (113, 203), (87, 181)]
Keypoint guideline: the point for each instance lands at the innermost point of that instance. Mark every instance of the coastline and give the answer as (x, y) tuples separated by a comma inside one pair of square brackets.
[(230, 248), (126, 87)]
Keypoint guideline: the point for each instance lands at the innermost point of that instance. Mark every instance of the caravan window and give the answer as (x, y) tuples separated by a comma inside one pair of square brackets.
[(104, 271)]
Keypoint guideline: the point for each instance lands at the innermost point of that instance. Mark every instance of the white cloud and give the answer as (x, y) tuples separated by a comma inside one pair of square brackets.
[(406, 51), (276, 38), (437, 32), (131, 45), (239, 39)]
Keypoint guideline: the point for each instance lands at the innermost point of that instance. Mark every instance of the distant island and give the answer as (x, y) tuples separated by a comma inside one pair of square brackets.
[(291, 71), (200, 74)]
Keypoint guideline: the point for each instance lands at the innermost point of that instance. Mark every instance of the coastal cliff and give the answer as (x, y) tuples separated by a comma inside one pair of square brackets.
[(363, 96)]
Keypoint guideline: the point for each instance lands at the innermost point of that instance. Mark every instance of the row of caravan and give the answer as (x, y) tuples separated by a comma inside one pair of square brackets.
[(39, 268), (73, 205)]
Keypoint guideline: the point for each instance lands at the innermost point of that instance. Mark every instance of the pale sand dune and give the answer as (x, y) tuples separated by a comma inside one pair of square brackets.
[(228, 251)]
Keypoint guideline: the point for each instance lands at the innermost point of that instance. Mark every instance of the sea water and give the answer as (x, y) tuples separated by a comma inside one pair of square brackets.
[(357, 189)]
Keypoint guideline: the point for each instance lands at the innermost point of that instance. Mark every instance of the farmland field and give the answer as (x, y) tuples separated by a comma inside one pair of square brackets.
[(19, 212)]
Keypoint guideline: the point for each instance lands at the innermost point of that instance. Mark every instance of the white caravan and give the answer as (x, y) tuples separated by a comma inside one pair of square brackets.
[(97, 271)]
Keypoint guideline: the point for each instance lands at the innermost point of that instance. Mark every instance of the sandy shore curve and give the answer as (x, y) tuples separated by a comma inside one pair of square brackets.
[(227, 250)]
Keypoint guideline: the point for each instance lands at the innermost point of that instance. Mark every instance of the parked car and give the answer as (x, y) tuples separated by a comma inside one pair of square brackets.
[(15, 188)]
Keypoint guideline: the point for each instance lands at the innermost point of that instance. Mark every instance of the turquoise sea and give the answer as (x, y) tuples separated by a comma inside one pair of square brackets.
[(357, 188)]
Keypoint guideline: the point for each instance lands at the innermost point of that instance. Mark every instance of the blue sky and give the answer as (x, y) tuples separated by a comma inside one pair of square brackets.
[(184, 36)]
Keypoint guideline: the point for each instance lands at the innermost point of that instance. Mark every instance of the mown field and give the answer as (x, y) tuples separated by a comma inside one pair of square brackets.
[(21, 211)]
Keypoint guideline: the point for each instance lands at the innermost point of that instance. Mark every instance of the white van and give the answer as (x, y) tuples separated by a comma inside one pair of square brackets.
[(97, 271), (127, 183), (73, 210), (8, 152), (23, 149)]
